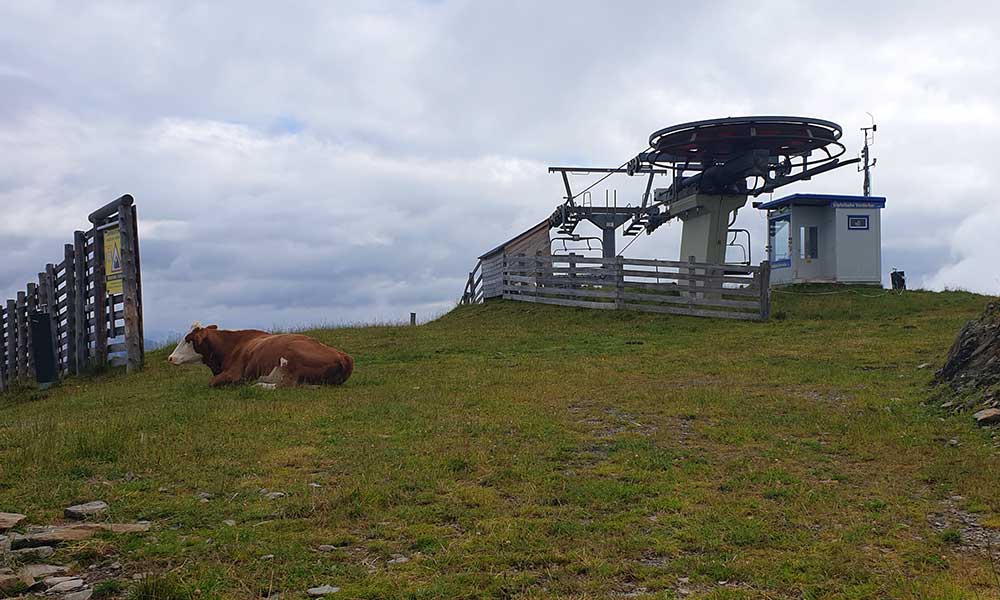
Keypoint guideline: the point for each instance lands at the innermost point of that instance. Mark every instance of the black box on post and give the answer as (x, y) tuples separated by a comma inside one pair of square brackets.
[(46, 372)]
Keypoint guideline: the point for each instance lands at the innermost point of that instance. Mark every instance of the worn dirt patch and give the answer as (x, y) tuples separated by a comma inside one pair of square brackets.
[(824, 397), (975, 537), (609, 421)]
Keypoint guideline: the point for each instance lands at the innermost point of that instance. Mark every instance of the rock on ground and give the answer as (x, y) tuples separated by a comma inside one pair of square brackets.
[(974, 357), (989, 416), (9, 583), (322, 590), (86, 510), (70, 585), (34, 553), (8, 520), (36, 571), (48, 536)]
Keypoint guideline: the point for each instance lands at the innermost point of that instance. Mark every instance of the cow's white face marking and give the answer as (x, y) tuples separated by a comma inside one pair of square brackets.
[(185, 353)]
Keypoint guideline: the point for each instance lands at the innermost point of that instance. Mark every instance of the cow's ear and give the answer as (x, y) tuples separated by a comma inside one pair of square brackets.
[(212, 327)]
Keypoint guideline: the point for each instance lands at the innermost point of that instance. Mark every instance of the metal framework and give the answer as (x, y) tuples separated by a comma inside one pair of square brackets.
[(730, 159)]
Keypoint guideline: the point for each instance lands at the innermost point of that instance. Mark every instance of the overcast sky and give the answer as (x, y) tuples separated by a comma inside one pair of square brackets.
[(331, 162)]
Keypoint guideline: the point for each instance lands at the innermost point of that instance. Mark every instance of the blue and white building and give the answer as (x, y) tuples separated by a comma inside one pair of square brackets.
[(824, 238)]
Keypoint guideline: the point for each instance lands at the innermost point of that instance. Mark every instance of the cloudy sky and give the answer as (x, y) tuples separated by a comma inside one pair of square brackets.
[(331, 162)]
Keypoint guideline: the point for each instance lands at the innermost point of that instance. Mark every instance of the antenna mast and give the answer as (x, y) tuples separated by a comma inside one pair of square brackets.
[(866, 166)]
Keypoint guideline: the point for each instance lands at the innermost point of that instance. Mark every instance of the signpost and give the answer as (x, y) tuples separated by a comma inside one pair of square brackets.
[(113, 271)]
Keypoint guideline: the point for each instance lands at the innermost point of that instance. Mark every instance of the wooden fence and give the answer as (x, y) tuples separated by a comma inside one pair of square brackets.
[(473, 293), (683, 288), (93, 301)]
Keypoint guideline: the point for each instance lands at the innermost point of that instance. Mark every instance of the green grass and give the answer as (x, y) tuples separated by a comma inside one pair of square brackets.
[(520, 451)]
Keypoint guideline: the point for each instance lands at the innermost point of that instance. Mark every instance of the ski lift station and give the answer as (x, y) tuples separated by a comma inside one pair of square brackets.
[(824, 238), (707, 170)]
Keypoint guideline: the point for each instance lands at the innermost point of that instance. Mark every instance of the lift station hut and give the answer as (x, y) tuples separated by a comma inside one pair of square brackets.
[(824, 238)]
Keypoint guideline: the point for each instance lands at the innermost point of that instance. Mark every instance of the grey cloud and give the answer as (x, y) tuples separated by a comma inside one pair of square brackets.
[(348, 161)]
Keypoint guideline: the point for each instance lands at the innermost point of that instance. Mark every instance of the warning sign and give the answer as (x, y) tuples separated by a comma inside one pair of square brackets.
[(113, 261)]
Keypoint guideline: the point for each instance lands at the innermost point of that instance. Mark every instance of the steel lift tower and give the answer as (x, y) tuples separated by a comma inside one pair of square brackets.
[(714, 166)]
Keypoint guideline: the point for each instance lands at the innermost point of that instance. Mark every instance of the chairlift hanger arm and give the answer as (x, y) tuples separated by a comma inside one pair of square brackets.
[(569, 192), (649, 190)]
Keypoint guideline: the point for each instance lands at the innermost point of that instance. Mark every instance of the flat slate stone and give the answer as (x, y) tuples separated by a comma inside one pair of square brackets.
[(34, 553), (81, 595), (84, 511), (322, 590), (50, 536), (8, 520), (70, 585), (36, 571), (987, 416)]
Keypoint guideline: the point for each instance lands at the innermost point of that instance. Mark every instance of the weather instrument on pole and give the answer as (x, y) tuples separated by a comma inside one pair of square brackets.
[(865, 165), (713, 166)]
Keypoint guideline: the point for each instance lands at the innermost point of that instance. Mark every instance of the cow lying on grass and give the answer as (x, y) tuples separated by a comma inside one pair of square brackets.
[(284, 359)]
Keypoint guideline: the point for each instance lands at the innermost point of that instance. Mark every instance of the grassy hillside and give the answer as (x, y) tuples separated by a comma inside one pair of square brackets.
[(521, 451)]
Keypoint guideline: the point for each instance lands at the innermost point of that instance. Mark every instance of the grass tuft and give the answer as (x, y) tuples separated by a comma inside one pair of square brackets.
[(159, 587)]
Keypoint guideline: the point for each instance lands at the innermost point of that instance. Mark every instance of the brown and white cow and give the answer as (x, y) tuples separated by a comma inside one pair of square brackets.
[(284, 359)]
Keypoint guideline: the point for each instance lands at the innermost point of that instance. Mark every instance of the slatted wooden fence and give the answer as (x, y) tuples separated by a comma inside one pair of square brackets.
[(91, 325), (473, 293), (683, 288)]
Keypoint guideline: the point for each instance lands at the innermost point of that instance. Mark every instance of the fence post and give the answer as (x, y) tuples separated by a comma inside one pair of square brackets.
[(43, 295), (31, 303), (100, 332), (619, 282), (504, 274), (22, 336), (71, 323), (11, 341), (692, 283), (765, 290), (52, 299), (3, 353), (537, 274), (130, 289), (134, 215), (469, 290), (43, 304), (80, 275)]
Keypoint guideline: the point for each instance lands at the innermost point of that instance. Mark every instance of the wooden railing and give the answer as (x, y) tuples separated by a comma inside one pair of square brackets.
[(473, 293), (90, 324), (683, 288)]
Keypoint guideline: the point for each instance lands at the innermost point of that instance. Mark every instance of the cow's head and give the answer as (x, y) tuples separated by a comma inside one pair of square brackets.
[(186, 351)]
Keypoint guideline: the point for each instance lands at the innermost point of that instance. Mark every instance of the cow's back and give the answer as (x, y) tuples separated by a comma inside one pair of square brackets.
[(309, 360)]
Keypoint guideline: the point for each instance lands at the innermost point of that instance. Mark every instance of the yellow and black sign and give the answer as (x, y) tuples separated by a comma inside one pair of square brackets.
[(113, 261)]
